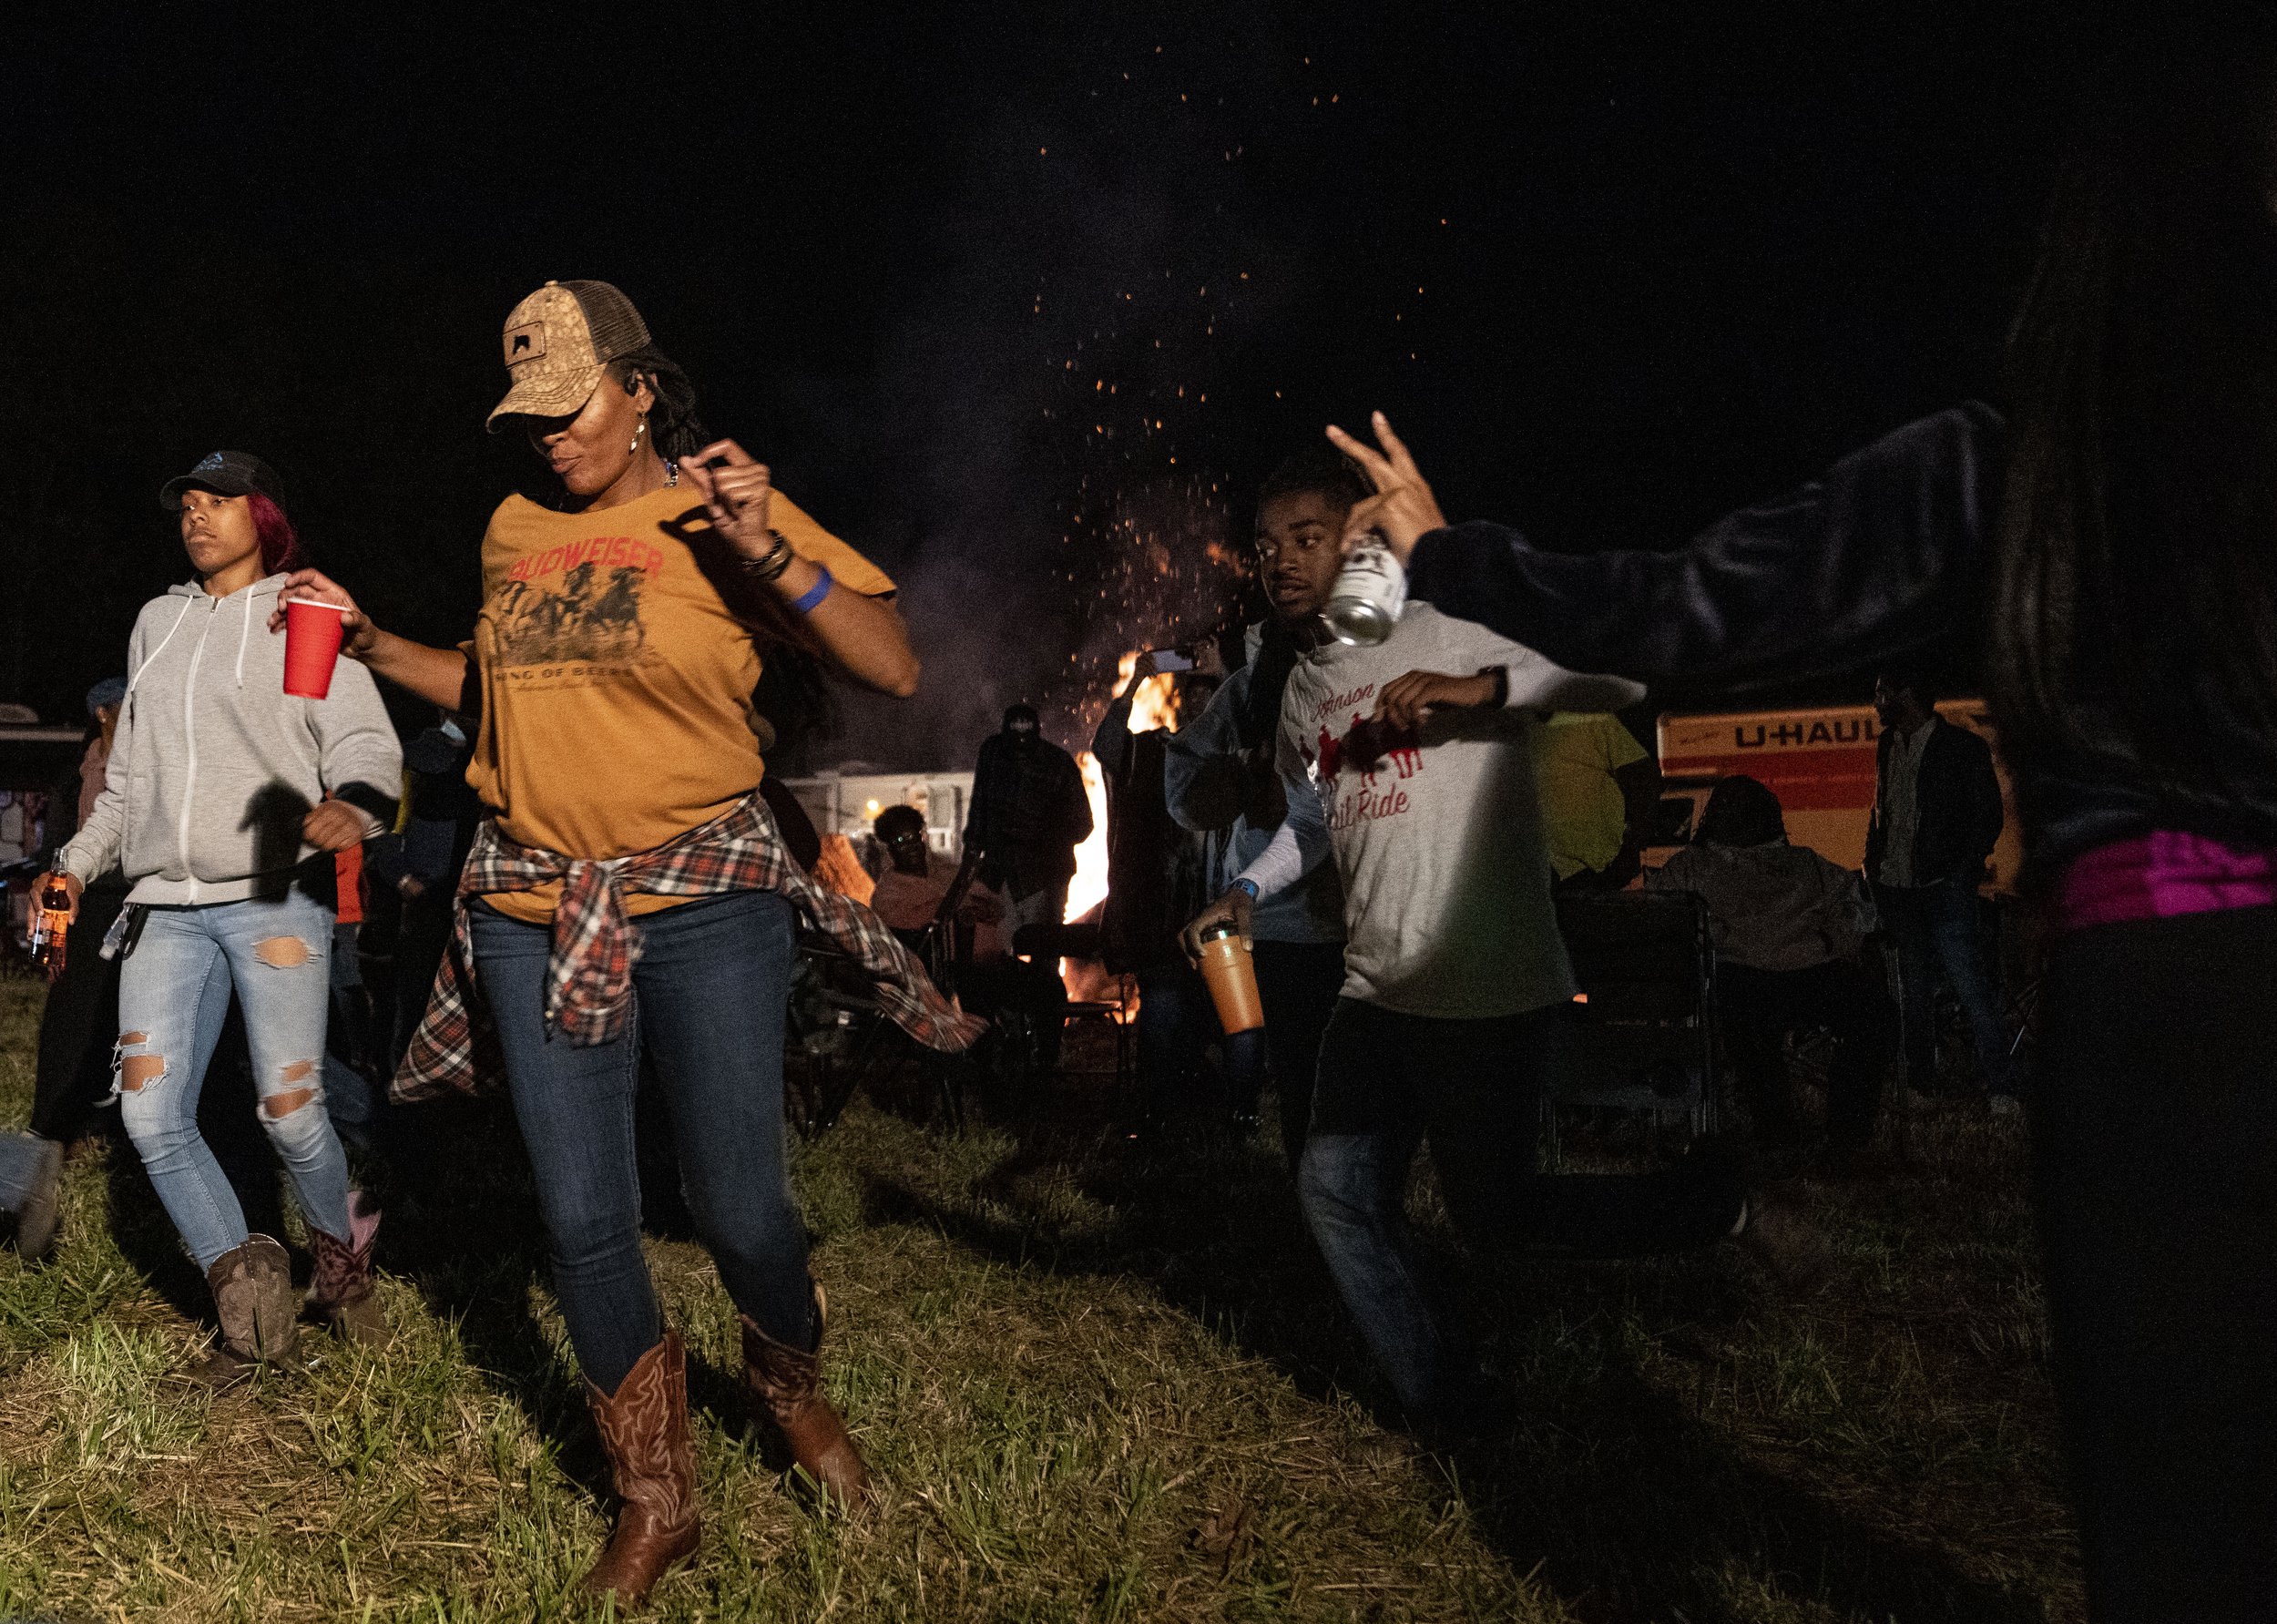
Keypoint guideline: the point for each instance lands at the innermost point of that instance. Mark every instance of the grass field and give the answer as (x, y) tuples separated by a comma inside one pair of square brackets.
[(1098, 1385)]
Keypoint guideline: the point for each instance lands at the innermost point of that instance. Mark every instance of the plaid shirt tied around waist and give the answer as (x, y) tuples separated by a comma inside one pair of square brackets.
[(588, 974)]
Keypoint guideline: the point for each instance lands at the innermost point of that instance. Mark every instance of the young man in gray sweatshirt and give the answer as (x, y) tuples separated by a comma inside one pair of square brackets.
[(1410, 764)]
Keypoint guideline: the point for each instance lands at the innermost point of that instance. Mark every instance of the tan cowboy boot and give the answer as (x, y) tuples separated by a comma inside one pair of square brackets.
[(786, 1387), (259, 1310), (652, 1454)]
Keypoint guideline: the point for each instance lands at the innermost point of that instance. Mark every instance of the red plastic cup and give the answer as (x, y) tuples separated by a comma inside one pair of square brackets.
[(312, 632)]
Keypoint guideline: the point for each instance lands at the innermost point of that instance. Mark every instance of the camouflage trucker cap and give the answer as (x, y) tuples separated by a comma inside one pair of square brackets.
[(558, 343)]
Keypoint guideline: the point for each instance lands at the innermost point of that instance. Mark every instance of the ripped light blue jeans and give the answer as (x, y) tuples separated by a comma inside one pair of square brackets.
[(173, 996)]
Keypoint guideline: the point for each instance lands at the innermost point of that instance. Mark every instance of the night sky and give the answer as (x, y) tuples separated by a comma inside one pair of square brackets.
[(1612, 269)]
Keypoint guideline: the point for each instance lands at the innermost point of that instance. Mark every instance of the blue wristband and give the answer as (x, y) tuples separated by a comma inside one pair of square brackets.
[(1249, 887), (814, 595)]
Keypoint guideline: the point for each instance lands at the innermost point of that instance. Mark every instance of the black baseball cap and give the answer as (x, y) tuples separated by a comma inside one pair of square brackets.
[(232, 473)]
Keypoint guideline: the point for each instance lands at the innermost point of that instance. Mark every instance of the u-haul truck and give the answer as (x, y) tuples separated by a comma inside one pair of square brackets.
[(1820, 763)]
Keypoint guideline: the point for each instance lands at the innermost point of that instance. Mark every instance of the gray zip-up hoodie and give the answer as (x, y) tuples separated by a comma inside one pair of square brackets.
[(214, 765)]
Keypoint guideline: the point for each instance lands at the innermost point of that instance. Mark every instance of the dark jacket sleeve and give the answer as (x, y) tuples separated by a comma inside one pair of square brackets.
[(1875, 830), (1986, 813), (1077, 804), (980, 817), (1880, 555)]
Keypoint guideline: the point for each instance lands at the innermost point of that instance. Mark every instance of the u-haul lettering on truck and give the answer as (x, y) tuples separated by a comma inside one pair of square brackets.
[(1818, 762), (1802, 735)]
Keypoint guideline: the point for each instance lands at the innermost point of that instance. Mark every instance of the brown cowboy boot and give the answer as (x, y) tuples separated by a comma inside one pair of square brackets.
[(652, 1454), (786, 1387), (259, 1310), (343, 1292)]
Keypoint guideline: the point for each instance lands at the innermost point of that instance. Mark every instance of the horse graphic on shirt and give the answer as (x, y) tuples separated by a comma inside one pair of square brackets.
[(1367, 747), (586, 620)]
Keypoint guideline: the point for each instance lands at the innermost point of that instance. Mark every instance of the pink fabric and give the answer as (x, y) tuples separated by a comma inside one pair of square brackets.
[(2160, 875)]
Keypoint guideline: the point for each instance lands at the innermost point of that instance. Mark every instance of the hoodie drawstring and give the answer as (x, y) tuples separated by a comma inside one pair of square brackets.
[(163, 641)]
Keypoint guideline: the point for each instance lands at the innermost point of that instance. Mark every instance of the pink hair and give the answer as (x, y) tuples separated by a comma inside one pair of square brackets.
[(279, 542)]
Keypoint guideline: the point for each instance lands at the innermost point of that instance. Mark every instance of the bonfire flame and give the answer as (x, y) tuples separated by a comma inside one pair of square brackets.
[(1155, 705)]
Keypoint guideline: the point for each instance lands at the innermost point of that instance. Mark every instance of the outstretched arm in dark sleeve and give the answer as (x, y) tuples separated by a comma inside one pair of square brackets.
[(1882, 553)]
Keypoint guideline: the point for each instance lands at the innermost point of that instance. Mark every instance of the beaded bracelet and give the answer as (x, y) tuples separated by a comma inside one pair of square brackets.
[(770, 564)]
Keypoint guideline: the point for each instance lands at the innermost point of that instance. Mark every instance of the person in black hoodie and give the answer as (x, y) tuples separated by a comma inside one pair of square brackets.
[(2132, 584), (1030, 815), (1936, 817)]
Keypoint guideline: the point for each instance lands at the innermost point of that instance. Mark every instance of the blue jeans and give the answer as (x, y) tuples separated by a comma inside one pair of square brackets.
[(173, 996), (21, 1155), (709, 998), (1938, 928), (1474, 1087)]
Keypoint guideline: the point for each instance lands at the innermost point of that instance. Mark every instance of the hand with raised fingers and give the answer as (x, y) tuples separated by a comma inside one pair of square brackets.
[(1403, 511), (356, 631), (1404, 701), (737, 487)]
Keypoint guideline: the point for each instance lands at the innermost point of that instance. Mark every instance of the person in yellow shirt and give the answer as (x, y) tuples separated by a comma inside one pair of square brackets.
[(1598, 787), (627, 865)]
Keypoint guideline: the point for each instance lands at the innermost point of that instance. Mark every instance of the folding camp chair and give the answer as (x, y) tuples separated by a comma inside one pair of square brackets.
[(1644, 1030), (843, 1041), (1049, 944)]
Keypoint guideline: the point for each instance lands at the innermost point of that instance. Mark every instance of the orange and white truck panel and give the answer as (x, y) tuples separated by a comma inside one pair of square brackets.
[(1820, 764)]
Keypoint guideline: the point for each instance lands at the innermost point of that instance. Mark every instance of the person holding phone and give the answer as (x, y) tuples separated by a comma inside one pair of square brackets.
[(623, 621), (224, 799), (1155, 878)]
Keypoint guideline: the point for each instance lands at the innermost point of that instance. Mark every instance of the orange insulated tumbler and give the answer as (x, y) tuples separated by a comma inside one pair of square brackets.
[(1231, 973)]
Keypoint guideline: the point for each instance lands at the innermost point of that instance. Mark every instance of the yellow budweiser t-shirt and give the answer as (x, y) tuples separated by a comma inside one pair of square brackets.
[(617, 684)]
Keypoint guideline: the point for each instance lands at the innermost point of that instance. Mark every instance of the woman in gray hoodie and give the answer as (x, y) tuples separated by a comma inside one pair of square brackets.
[(224, 800)]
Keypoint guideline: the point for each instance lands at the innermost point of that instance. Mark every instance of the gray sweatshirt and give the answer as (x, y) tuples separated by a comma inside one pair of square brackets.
[(1437, 834), (214, 765)]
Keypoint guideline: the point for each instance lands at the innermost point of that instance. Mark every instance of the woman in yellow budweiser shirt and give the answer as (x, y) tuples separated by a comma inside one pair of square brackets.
[(613, 664)]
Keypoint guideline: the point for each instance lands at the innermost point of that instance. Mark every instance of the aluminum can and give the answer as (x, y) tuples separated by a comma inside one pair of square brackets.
[(1368, 595)]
